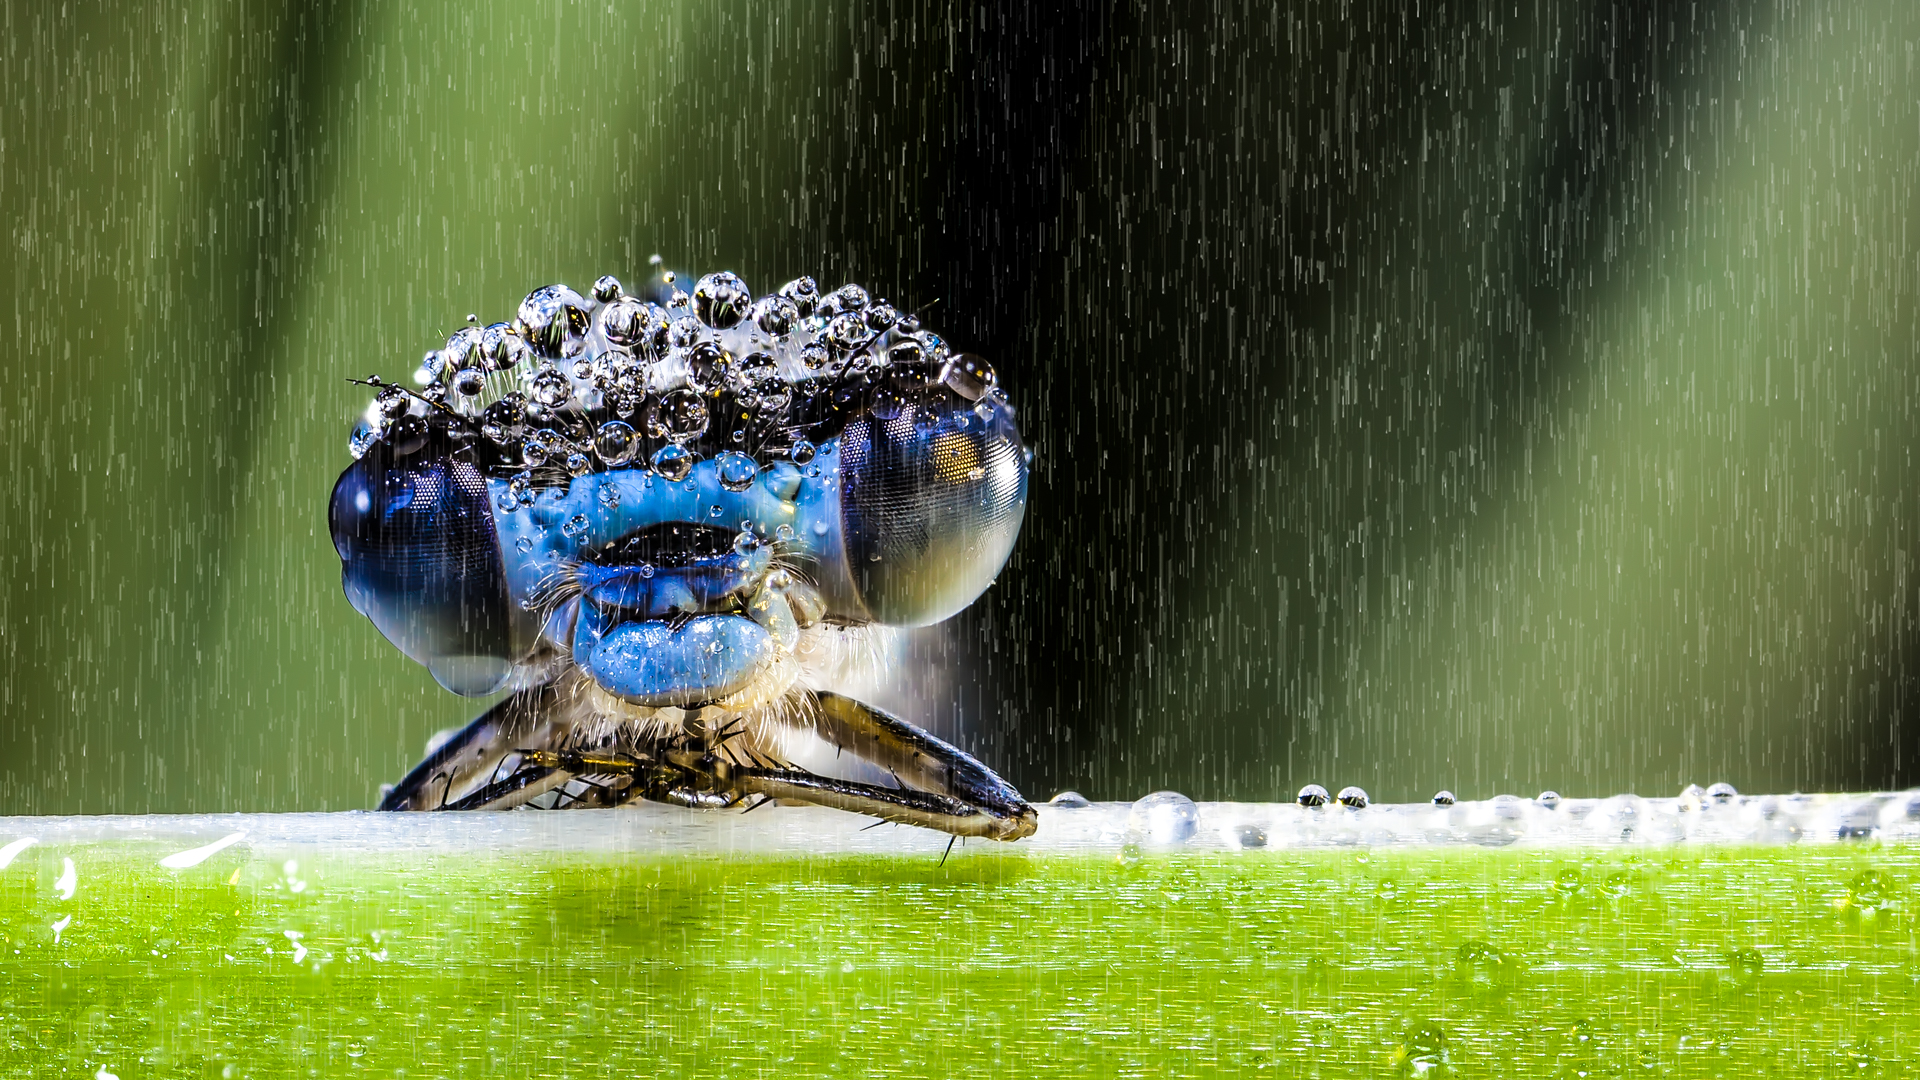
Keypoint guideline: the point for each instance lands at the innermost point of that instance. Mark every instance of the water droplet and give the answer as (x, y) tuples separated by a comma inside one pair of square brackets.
[(1422, 1051), (609, 496), (882, 316), (575, 525), (469, 382), (1745, 966), (1312, 795), (501, 349), (801, 452), (534, 452), (1722, 793), (707, 364), (780, 580), (1072, 800), (646, 570), (745, 543), (1352, 797), (550, 388), (803, 294), (814, 356), (578, 463), (1479, 962), (721, 300), (606, 289), (1130, 855), (361, 440), (679, 416), (847, 298), (673, 461), (616, 443), (847, 332), (784, 532), (525, 543), (465, 349), (1250, 836), (1548, 799), (970, 376), (736, 470), (1443, 798), (775, 315), (625, 323), (1163, 818), (554, 321)]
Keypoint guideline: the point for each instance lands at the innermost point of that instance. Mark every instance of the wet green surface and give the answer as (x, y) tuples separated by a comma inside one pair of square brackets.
[(1716, 962)]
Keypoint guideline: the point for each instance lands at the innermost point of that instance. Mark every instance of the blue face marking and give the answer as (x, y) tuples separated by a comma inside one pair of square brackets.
[(674, 622)]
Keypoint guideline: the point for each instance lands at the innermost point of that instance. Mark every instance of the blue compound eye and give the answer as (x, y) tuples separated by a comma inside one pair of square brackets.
[(931, 503), (419, 559)]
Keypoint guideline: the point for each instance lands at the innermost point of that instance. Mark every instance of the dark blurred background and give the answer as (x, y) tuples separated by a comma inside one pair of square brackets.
[(1491, 396)]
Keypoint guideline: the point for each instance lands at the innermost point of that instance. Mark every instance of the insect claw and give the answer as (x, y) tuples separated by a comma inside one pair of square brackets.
[(950, 842), (875, 825)]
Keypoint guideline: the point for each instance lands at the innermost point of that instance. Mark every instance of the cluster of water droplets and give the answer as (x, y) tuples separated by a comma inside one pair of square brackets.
[(575, 383), (1719, 814)]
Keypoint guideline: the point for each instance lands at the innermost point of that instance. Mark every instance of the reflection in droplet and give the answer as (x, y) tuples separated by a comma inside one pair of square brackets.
[(736, 470), (673, 461), (1312, 795)]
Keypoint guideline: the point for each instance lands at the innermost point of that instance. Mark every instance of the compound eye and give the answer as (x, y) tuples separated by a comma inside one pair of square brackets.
[(931, 503), (420, 560)]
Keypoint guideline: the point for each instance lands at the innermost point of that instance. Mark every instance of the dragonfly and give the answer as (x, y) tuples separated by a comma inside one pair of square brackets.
[(663, 525)]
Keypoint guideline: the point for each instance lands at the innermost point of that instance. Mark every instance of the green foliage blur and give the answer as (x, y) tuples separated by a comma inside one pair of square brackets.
[(1491, 398)]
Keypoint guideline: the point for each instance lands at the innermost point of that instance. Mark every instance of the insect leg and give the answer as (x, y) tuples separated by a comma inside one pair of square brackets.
[(473, 755), (904, 805), (938, 768)]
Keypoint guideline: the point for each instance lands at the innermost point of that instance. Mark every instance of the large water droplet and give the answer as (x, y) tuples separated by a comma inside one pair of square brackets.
[(501, 349), (554, 321), (616, 443), (606, 289), (721, 300), (679, 416), (775, 315), (1163, 818), (970, 376), (550, 388), (736, 470), (673, 462), (1312, 795)]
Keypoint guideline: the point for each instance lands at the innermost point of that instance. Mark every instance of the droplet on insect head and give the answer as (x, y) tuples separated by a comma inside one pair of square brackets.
[(800, 452), (1443, 798), (534, 452), (721, 300), (678, 416), (392, 402), (847, 298), (625, 322), (970, 376), (616, 443), (989, 402), (755, 367), (803, 294), (1163, 818), (707, 364), (745, 543), (673, 462), (468, 382), (465, 348), (1352, 797), (736, 470), (575, 525), (847, 332), (501, 349), (1312, 795), (814, 356), (775, 315), (579, 464), (554, 320), (606, 289), (550, 388)]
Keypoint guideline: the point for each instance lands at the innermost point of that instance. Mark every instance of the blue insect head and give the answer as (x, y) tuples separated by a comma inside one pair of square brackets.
[(669, 491)]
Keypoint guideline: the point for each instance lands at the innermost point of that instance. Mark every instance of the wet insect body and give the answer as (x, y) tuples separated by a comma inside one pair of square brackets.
[(665, 526)]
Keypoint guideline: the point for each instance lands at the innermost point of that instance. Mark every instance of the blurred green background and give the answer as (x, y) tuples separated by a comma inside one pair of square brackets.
[(1491, 396)]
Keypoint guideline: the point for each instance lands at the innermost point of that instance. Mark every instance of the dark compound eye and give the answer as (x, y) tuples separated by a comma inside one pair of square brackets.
[(419, 559), (932, 499)]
